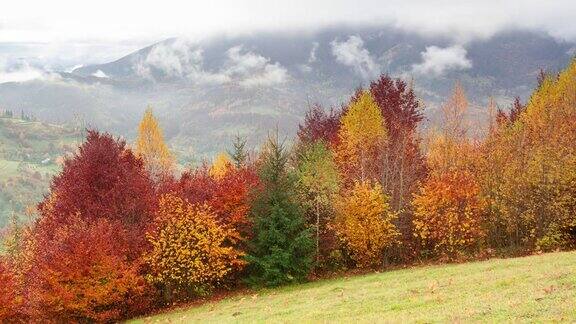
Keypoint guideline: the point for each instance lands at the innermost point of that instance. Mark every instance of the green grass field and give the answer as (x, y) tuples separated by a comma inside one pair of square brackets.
[(530, 289)]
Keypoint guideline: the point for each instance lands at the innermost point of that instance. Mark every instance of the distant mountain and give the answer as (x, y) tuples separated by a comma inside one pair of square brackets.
[(205, 92)]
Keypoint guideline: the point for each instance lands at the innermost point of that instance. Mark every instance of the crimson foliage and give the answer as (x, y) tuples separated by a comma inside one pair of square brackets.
[(103, 180)]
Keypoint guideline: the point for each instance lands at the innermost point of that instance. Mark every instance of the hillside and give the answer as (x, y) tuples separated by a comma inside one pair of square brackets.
[(29, 154), (538, 288), (207, 91)]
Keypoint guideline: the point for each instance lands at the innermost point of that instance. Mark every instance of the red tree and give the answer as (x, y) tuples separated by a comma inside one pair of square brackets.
[(103, 180), (402, 113), (319, 125), (398, 103), (195, 186), (231, 199), (228, 196), (503, 118)]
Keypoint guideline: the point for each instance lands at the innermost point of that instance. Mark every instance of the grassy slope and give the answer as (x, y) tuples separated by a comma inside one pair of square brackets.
[(536, 288)]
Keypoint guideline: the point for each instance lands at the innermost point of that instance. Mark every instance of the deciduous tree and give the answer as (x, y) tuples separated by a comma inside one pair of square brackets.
[(365, 223), (150, 146), (103, 180), (191, 253), (403, 163), (362, 137), (81, 274), (221, 166), (318, 181), (448, 213)]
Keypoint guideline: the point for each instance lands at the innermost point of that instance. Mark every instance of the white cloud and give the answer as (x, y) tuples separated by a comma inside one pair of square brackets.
[(100, 74), (180, 59), (175, 60), (64, 39), (51, 21), (436, 60), (352, 53), (251, 69), (19, 72)]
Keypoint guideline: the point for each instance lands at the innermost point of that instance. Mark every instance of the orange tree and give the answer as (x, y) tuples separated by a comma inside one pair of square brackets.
[(448, 213), (80, 273), (9, 300)]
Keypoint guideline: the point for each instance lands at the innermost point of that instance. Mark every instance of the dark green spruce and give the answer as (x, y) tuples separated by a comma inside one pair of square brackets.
[(282, 250)]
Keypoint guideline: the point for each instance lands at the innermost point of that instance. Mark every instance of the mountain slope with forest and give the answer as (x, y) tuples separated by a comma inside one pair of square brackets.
[(207, 91)]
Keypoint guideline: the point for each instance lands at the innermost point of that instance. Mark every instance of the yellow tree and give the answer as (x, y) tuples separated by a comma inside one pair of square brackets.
[(364, 223), (190, 250), (362, 138), (150, 146), (221, 165), (533, 185)]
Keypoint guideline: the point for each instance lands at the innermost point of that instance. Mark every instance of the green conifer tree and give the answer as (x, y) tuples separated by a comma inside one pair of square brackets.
[(238, 152), (282, 250)]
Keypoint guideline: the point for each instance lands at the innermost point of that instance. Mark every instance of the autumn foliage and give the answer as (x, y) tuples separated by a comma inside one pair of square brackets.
[(361, 138), (190, 251), (365, 223), (122, 232), (105, 180), (448, 213), (10, 301), (81, 273), (150, 146)]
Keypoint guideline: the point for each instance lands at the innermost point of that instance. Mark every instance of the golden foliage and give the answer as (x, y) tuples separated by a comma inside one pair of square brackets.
[(221, 166), (362, 137), (150, 146), (448, 211), (364, 223), (446, 154), (190, 250), (528, 170)]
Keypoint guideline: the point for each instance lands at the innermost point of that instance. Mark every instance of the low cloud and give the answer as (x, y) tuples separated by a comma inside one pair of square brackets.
[(353, 54), (251, 69), (312, 57), (19, 72), (181, 60), (100, 74), (174, 60), (437, 60)]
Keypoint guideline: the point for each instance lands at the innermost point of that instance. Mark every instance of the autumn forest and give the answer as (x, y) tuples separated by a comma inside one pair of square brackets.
[(125, 232)]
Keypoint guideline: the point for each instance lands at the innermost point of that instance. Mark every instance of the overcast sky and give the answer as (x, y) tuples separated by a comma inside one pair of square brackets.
[(97, 31)]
